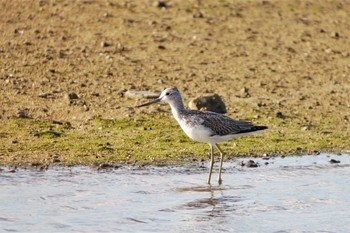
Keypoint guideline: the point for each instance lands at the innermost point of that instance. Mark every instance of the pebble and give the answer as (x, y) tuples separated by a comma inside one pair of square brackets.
[(56, 160), (335, 35), (333, 161), (23, 113), (305, 128), (244, 93), (95, 94), (198, 15), (211, 103), (251, 163), (45, 95), (18, 31), (105, 44), (72, 96), (13, 169), (280, 115), (160, 4)]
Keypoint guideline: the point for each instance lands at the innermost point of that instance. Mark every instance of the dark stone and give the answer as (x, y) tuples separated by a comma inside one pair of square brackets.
[(161, 4), (251, 163), (280, 115), (334, 161), (105, 44), (72, 96), (211, 103)]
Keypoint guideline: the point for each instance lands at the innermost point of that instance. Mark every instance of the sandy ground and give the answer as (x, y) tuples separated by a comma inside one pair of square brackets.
[(266, 59)]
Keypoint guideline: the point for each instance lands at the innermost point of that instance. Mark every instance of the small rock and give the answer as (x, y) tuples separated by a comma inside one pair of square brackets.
[(198, 14), (211, 103), (44, 167), (72, 96), (317, 152), (13, 169), (335, 35), (160, 4), (141, 94), (305, 128), (280, 115), (44, 95), (251, 163), (105, 44), (106, 14), (18, 31), (244, 93), (56, 160), (23, 113), (328, 51), (95, 94), (332, 161), (54, 156)]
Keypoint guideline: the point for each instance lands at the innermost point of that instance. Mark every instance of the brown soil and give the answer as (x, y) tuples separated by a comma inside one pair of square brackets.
[(266, 59)]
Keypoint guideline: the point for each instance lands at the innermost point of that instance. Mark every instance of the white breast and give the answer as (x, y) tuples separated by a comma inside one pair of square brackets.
[(196, 132)]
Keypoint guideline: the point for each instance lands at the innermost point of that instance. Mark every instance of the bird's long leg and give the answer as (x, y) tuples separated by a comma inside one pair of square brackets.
[(211, 161), (221, 159)]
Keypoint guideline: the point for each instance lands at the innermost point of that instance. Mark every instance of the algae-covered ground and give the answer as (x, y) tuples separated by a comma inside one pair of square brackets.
[(65, 67)]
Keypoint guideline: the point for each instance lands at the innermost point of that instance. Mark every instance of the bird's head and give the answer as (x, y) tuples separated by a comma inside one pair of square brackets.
[(169, 95)]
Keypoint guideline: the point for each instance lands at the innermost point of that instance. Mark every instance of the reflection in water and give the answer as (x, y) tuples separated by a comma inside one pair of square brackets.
[(217, 206), (296, 194)]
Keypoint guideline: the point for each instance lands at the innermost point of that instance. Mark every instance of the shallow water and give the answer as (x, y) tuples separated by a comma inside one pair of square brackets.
[(294, 194)]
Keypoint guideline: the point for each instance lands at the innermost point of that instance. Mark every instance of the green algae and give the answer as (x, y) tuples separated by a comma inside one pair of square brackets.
[(151, 139)]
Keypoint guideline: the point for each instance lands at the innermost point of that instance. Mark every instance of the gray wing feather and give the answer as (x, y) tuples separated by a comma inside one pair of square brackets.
[(221, 124)]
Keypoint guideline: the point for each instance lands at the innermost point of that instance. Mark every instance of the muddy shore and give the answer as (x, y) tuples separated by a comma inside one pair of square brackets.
[(65, 68)]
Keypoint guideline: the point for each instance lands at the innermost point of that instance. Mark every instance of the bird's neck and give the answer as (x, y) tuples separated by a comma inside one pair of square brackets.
[(177, 107)]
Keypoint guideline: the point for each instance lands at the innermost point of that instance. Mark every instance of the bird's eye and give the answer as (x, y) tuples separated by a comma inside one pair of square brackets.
[(167, 93)]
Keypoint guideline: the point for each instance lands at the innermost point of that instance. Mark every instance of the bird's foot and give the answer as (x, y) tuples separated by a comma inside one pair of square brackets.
[(220, 181)]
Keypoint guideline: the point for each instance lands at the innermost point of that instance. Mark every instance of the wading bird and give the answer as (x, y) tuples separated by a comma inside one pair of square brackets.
[(205, 126)]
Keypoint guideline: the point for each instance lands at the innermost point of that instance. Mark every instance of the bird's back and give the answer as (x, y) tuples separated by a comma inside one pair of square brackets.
[(217, 124)]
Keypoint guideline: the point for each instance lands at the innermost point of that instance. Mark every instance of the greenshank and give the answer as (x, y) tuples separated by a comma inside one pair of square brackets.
[(205, 126)]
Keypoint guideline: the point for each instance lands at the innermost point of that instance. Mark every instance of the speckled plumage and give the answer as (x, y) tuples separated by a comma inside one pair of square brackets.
[(205, 126), (219, 124)]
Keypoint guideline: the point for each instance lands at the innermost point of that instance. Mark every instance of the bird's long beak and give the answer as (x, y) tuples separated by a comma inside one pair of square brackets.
[(149, 103)]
